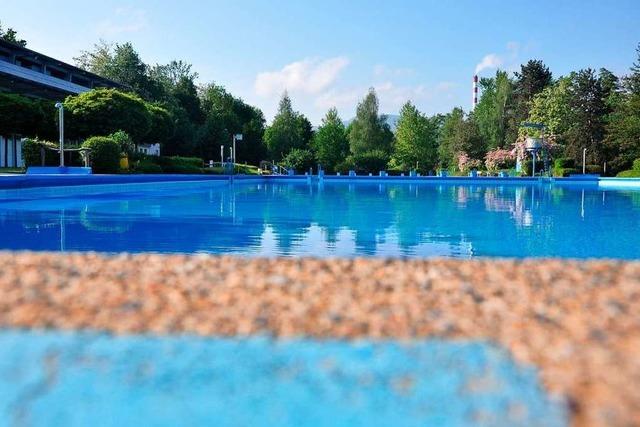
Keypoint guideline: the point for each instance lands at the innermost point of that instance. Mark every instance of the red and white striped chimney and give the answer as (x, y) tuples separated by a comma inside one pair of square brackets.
[(475, 92)]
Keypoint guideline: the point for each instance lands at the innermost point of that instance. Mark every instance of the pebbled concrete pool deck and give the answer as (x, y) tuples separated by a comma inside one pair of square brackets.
[(577, 321)]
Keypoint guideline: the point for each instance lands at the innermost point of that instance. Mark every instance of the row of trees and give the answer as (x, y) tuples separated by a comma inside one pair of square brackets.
[(203, 118), (585, 109)]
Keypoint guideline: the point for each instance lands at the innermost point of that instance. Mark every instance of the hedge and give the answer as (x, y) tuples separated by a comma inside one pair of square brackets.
[(146, 166), (629, 174), (32, 153), (105, 154), (180, 165)]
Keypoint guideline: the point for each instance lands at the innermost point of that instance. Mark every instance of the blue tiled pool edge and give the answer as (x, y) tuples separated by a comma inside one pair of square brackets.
[(89, 378)]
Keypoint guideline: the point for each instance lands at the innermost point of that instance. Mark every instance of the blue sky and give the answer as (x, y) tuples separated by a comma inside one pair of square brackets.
[(327, 53)]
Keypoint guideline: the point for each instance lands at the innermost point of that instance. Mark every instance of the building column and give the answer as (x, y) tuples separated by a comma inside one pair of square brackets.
[(19, 160), (3, 150)]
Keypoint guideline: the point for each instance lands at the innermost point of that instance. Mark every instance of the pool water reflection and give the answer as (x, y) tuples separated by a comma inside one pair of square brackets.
[(334, 219)]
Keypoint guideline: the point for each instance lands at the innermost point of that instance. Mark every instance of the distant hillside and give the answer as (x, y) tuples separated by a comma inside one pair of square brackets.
[(392, 121)]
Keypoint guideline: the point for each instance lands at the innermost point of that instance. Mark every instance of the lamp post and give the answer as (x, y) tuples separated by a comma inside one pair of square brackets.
[(584, 161), (60, 108), (236, 137)]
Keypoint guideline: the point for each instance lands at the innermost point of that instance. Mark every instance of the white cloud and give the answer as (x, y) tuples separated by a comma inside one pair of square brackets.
[(339, 98), (308, 76), (381, 70), (124, 20), (489, 61), (494, 60), (391, 95)]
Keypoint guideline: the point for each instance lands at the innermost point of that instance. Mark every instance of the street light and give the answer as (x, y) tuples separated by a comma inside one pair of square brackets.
[(236, 137), (60, 108)]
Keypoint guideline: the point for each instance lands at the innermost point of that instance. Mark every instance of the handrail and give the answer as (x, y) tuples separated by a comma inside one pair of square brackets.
[(273, 168), (84, 152)]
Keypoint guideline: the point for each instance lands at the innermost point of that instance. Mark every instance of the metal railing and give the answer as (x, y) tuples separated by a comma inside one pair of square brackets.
[(271, 168), (84, 153)]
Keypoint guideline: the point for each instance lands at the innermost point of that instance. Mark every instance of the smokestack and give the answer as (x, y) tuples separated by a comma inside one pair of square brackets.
[(475, 92)]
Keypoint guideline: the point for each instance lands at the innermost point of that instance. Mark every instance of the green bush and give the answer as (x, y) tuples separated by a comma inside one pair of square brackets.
[(299, 160), (527, 165), (629, 174), (32, 153), (564, 162), (146, 166), (105, 154), (371, 161), (636, 165), (124, 141), (345, 166), (180, 165), (570, 171)]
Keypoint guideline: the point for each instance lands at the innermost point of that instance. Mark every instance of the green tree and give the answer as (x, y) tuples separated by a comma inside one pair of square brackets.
[(588, 110), (623, 134), (105, 111), (288, 130), (494, 111), (459, 134), (532, 79), (446, 138), (632, 81), (330, 141), (552, 107), (623, 122), (19, 115), (416, 140), (161, 128), (120, 63), (369, 130), (11, 35), (225, 116)]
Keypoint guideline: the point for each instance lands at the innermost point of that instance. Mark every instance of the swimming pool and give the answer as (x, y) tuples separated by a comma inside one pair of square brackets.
[(298, 217)]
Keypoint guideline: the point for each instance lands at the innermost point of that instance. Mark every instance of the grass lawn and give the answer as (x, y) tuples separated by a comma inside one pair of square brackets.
[(11, 170)]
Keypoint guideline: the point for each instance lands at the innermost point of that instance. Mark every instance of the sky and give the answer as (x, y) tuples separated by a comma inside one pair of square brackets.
[(328, 53)]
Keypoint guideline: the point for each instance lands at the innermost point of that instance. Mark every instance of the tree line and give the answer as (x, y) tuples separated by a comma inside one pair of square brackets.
[(590, 109)]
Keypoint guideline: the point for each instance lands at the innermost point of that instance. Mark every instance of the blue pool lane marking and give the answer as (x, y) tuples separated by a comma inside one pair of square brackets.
[(91, 379)]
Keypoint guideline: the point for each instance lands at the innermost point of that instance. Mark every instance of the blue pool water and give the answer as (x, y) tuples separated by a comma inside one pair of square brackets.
[(90, 379), (295, 218)]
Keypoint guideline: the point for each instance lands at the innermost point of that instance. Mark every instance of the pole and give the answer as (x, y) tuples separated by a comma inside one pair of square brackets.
[(584, 161), (61, 131), (234, 153), (222, 155), (533, 168)]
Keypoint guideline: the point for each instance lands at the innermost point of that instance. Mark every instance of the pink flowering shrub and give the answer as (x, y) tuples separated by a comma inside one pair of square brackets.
[(465, 163), (463, 159), (549, 143), (499, 159)]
